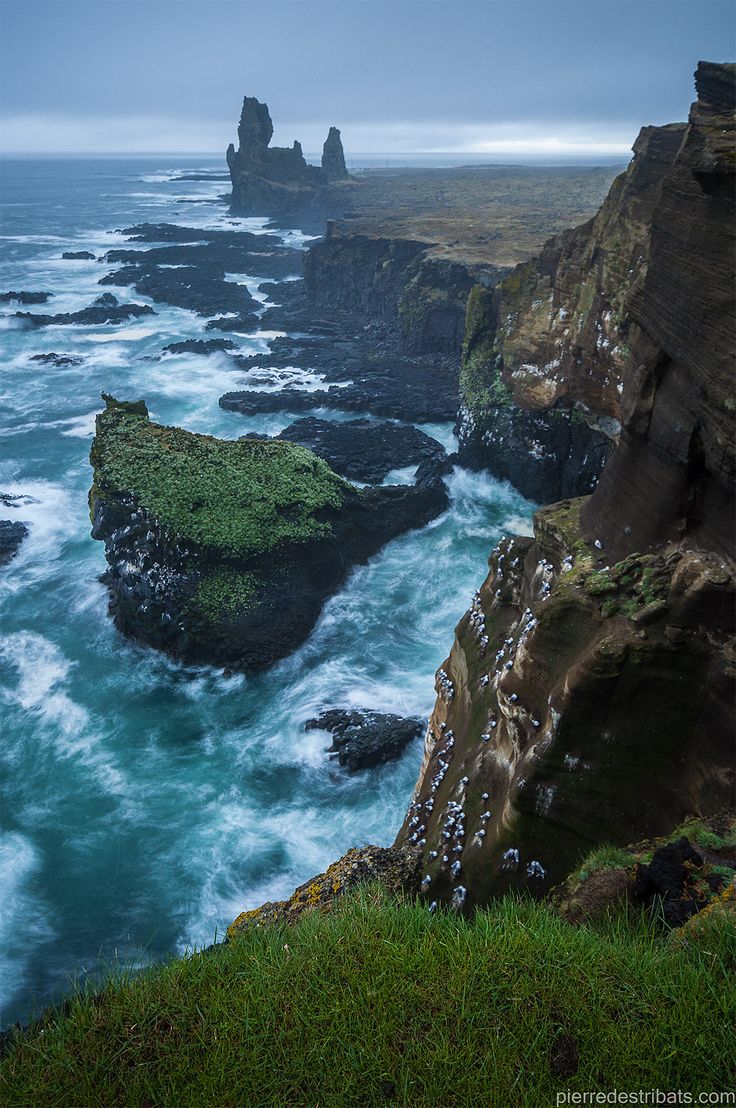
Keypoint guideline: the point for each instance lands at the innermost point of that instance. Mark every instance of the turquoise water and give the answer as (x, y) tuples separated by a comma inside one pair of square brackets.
[(145, 803)]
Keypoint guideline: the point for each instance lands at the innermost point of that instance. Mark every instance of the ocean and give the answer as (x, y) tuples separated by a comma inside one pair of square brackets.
[(146, 803)]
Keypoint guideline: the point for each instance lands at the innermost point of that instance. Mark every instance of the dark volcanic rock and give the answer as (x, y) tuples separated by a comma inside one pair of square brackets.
[(12, 533), (25, 297), (59, 360), (240, 324), (361, 449), (420, 299), (174, 232), (547, 456), (669, 877), (191, 273), (278, 181), (105, 309), (361, 739), (199, 290), (210, 542), (333, 157), (78, 256), (388, 386), (199, 346)]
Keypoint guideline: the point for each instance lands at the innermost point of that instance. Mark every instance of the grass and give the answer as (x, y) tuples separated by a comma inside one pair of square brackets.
[(240, 499), (380, 1002)]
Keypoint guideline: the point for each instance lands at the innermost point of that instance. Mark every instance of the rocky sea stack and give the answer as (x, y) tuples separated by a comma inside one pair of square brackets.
[(278, 180), (589, 693), (223, 552)]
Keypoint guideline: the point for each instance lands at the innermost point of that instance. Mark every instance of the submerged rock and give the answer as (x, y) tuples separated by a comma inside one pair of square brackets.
[(78, 256), (192, 270), (58, 360), (199, 346), (25, 297), (223, 552), (105, 309), (361, 739)]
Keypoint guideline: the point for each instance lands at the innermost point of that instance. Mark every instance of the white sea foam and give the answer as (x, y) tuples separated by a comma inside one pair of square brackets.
[(42, 670), (24, 922)]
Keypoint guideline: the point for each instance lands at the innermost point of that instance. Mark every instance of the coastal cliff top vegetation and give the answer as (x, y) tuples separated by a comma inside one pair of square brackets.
[(478, 214), (241, 499), (381, 1002)]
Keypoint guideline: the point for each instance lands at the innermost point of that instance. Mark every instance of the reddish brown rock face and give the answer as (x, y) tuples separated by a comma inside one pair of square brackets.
[(588, 696)]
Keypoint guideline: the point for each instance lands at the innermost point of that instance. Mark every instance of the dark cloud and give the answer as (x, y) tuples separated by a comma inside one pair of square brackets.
[(573, 66)]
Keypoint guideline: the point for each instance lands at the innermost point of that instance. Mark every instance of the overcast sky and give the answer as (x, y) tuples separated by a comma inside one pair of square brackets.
[(498, 76)]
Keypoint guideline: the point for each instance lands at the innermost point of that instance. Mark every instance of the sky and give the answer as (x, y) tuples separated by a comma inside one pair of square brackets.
[(479, 76)]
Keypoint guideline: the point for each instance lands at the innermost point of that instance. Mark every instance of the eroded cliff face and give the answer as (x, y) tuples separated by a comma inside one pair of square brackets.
[(420, 298), (277, 180), (545, 355), (588, 696)]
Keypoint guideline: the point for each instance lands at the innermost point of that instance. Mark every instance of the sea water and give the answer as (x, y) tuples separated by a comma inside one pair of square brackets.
[(147, 803)]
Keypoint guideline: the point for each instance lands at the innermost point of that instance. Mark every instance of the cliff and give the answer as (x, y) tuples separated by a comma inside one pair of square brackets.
[(223, 552), (589, 693), (547, 352), (415, 242), (277, 180)]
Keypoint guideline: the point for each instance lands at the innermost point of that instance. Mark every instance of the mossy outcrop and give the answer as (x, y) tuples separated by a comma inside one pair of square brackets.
[(395, 870), (224, 551)]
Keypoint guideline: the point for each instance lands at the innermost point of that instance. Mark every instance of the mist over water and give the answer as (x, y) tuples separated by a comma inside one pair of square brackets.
[(145, 804)]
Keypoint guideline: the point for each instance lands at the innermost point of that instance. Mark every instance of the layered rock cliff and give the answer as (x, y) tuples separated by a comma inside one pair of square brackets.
[(589, 693), (223, 552), (544, 356), (277, 180), (419, 298)]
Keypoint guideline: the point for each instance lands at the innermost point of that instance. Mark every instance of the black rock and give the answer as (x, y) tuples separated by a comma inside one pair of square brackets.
[(361, 739), (239, 324), (105, 309), (55, 359), (668, 878), (333, 157), (363, 450), (199, 346), (546, 455), (78, 256), (25, 297), (12, 533)]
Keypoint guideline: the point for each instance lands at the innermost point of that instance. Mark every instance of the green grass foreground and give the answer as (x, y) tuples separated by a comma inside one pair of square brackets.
[(382, 1003)]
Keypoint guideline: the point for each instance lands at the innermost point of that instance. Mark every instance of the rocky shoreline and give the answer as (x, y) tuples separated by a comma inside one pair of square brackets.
[(588, 693)]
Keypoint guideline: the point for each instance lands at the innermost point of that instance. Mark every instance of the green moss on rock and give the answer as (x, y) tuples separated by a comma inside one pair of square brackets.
[(239, 499), (480, 379), (224, 594)]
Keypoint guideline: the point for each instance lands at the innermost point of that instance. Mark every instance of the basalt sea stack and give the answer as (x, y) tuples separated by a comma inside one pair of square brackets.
[(223, 552), (277, 180), (589, 693)]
